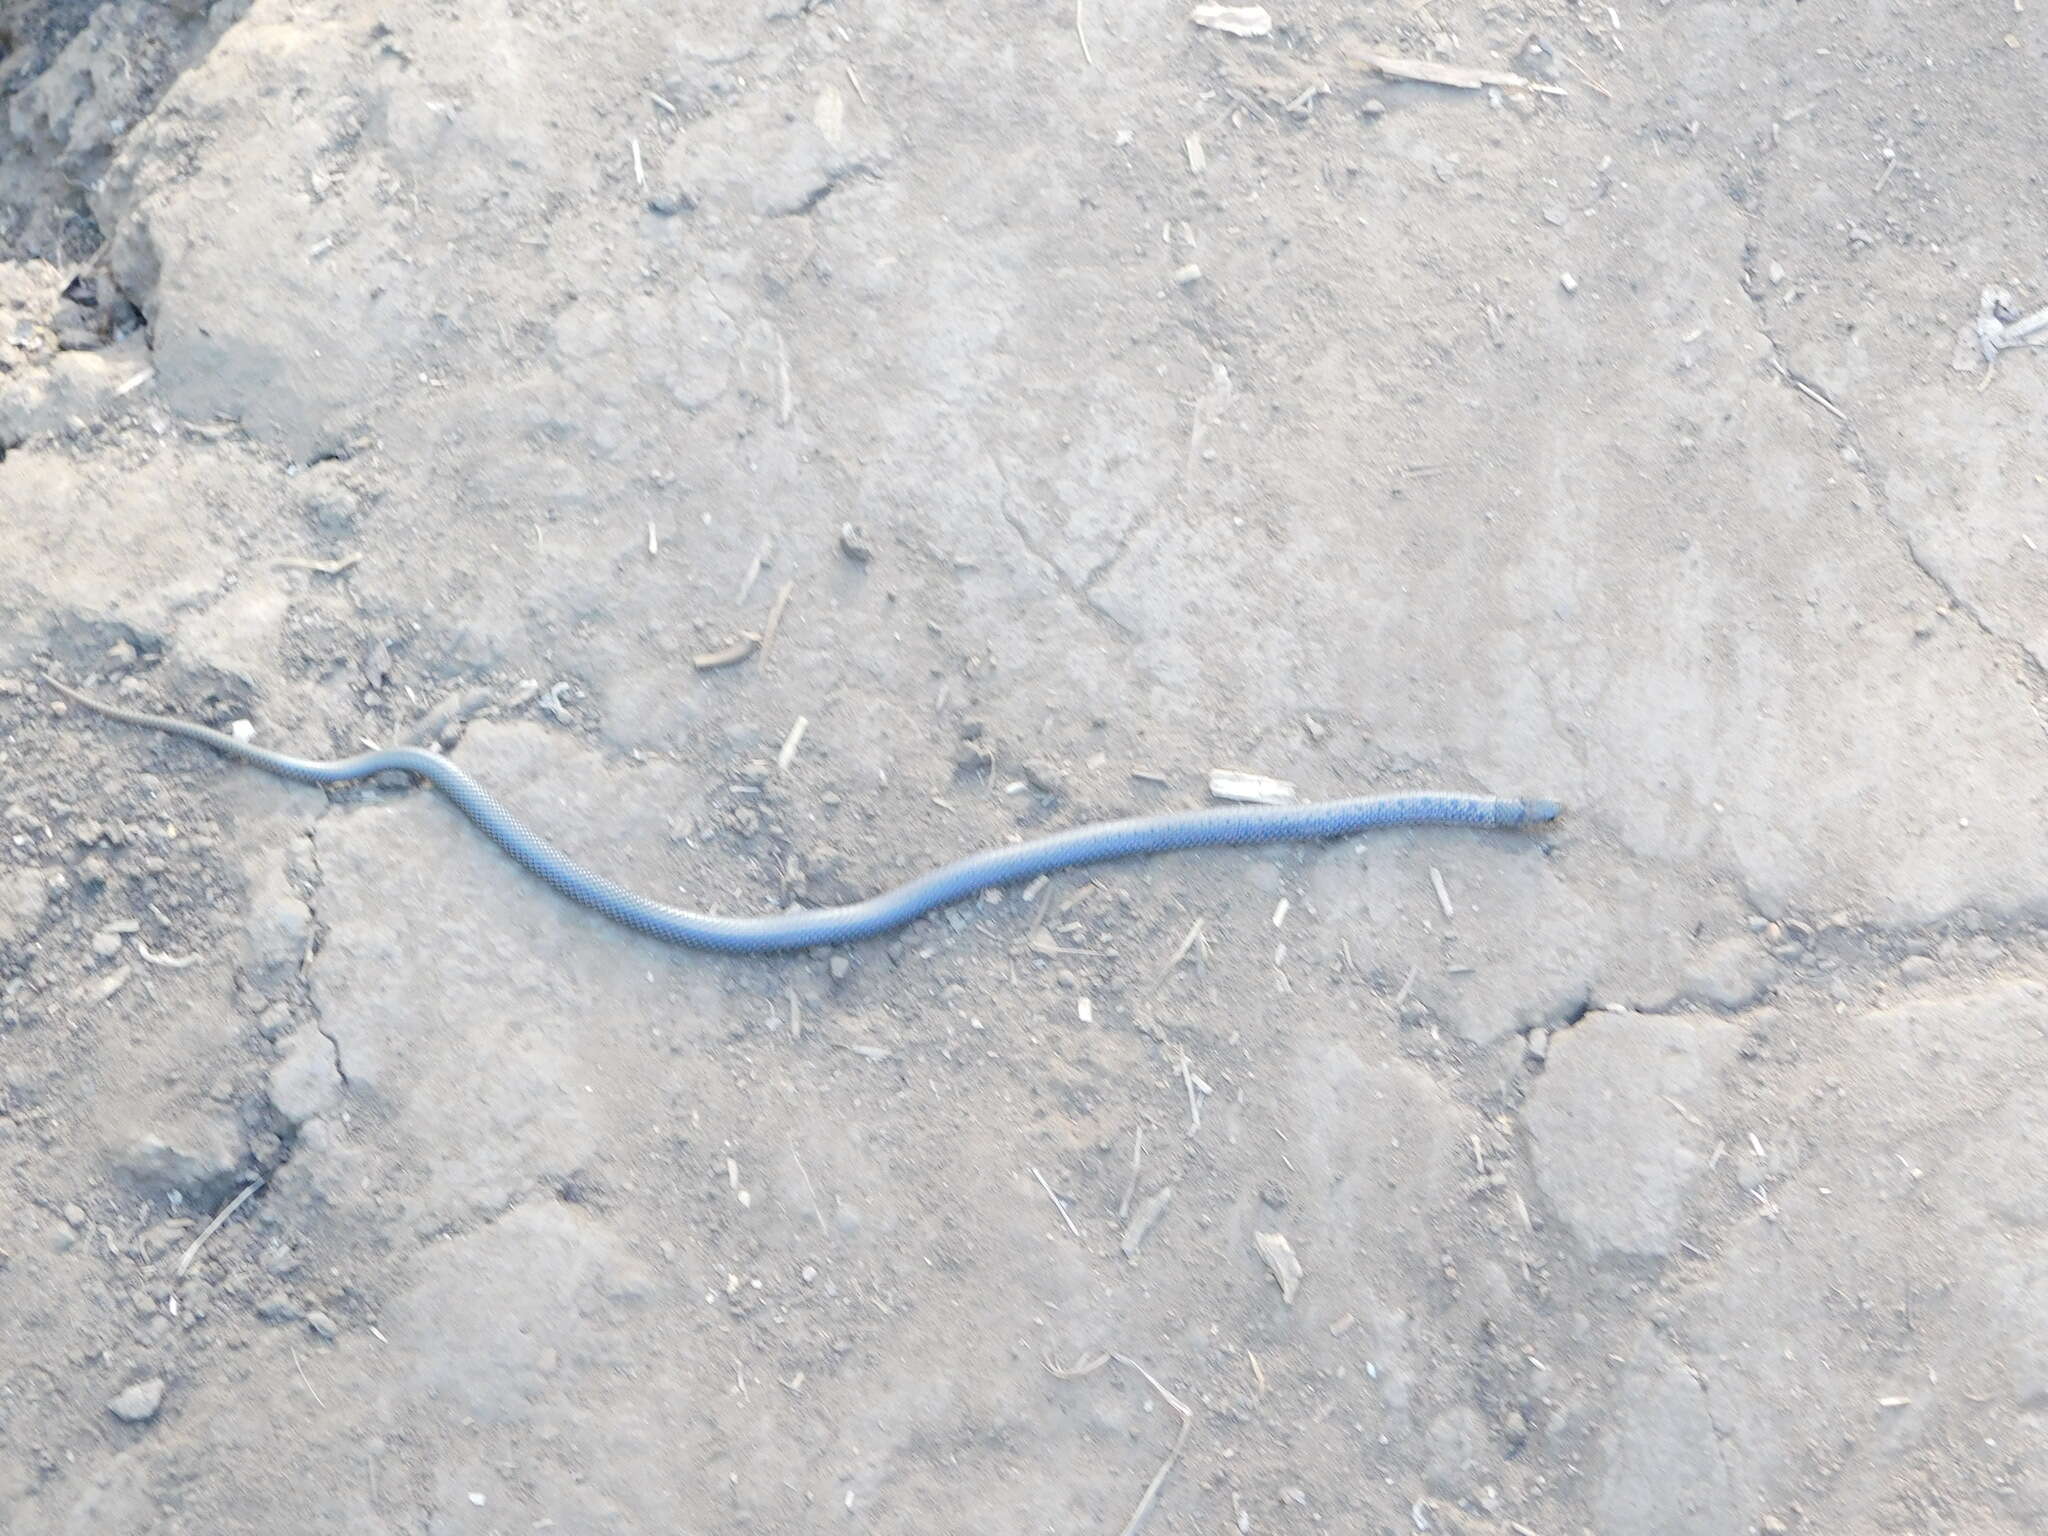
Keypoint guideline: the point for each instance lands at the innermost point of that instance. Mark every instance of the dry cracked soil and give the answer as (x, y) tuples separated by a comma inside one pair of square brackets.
[(1046, 405)]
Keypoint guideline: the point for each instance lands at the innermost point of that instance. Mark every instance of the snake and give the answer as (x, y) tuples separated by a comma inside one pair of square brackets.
[(800, 928)]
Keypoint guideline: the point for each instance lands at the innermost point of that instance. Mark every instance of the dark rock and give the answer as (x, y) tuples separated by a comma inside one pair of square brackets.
[(199, 1164)]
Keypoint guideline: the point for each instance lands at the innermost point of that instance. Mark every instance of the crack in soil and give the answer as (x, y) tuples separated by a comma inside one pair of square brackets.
[(1866, 469), (1079, 594), (314, 888)]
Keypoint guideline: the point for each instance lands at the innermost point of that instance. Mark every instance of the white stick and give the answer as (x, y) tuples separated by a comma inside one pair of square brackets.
[(1443, 896), (1058, 1203), (1250, 788), (789, 744)]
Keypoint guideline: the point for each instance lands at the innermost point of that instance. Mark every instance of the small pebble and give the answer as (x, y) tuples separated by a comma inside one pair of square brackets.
[(1567, 282), (106, 945), (139, 1403), (278, 1308), (1784, 941), (554, 703), (75, 1214), (1538, 1044), (322, 1324), (1191, 273), (839, 965), (243, 731), (1043, 776), (853, 543)]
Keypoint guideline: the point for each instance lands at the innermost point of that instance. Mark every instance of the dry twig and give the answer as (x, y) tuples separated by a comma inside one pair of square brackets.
[(1187, 1423), (216, 1224)]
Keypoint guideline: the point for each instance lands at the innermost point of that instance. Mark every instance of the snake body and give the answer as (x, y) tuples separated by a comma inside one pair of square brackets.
[(805, 927)]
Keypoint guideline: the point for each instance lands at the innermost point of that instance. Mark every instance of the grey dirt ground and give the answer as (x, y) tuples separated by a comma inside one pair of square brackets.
[(1067, 401)]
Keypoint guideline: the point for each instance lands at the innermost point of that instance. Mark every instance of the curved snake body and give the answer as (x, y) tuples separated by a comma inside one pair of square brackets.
[(805, 927)]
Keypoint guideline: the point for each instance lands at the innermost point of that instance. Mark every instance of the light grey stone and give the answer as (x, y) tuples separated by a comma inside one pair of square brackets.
[(1731, 974), (138, 1404), (24, 898), (1456, 1447), (279, 927), (1617, 1125), (1665, 1472), (307, 1081)]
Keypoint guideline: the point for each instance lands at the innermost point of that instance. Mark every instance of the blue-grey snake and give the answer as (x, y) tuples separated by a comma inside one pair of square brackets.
[(804, 927)]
